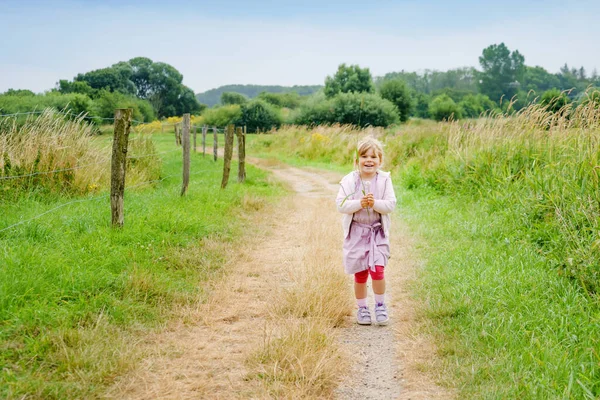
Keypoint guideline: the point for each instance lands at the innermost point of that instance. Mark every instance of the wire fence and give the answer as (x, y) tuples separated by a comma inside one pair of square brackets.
[(102, 161)]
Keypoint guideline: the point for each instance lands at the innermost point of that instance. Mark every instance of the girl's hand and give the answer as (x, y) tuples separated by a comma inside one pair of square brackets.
[(367, 201)]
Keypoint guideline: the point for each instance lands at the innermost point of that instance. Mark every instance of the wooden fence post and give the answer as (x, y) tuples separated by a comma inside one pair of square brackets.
[(118, 164), (204, 129), (195, 134), (177, 143), (185, 140), (227, 153), (241, 139), (215, 142)]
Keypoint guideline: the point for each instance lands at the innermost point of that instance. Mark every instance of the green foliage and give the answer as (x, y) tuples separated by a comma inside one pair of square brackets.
[(360, 109), (503, 72), (222, 116), (258, 115), (421, 109), (289, 100), (349, 79), (158, 83), (443, 108), (106, 102), (430, 82), (554, 100), (539, 80), (228, 98), (18, 92), (396, 92), (473, 106), (212, 97)]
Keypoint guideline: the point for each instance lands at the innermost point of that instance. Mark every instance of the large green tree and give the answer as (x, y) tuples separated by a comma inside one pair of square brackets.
[(158, 83), (349, 79), (502, 73), (396, 92)]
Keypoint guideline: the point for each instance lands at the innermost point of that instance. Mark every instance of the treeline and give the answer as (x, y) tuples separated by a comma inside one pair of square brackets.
[(352, 96), (213, 97), (153, 89)]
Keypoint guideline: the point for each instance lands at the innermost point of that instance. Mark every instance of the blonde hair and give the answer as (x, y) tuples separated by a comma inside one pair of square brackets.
[(367, 144)]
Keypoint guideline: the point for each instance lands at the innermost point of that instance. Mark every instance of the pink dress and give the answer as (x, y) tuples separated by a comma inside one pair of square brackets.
[(366, 245)]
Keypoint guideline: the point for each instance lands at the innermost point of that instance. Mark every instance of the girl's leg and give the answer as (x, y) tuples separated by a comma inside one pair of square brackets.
[(360, 290), (378, 287), (378, 279)]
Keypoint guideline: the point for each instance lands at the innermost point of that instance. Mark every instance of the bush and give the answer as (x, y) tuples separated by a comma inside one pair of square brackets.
[(554, 100), (360, 109), (259, 115), (443, 108), (475, 105), (289, 100), (105, 104), (222, 116)]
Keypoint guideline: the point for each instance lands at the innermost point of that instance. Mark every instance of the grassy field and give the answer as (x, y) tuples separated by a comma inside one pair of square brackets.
[(506, 212), (75, 294)]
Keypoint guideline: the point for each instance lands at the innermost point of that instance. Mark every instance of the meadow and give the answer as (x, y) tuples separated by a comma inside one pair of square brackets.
[(506, 208), (76, 294)]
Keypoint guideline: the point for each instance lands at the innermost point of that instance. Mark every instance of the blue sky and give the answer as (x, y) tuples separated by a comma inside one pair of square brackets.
[(214, 43)]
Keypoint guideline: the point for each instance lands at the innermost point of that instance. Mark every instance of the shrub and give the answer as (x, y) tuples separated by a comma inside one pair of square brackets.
[(554, 100), (222, 116), (360, 109), (443, 108), (259, 115), (475, 105)]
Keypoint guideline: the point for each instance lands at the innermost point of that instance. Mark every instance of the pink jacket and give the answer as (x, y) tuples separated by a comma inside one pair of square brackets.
[(385, 200)]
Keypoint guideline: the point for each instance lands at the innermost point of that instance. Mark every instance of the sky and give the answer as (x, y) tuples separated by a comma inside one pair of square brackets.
[(216, 43)]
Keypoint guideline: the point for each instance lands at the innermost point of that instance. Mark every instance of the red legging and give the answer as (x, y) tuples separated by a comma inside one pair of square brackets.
[(362, 276)]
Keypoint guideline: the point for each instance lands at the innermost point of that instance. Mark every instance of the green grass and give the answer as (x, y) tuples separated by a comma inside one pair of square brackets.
[(74, 292), (506, 326)]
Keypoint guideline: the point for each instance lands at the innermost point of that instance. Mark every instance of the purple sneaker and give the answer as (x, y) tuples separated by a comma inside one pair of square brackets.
[(381, 315), (363, 316)]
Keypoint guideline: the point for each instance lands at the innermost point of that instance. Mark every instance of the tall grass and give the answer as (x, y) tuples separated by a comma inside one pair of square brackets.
[(56, 153), (509, 207), (542, 165)]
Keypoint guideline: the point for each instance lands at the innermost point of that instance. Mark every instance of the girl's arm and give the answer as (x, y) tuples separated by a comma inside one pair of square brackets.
[(388, 203)]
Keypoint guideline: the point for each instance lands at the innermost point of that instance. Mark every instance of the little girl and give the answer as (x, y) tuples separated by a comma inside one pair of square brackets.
[(366, 198)]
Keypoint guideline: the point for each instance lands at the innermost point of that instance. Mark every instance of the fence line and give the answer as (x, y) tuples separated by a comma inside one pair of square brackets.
[(122, 183), (3, 178), (106, 195)]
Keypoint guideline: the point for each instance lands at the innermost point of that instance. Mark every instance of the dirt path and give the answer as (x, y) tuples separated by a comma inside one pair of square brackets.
[(203, 355)]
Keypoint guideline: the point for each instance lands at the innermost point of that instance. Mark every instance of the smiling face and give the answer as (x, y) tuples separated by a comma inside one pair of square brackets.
[(368, 164)]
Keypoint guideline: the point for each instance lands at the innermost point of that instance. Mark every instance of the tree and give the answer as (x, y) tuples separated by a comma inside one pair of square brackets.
[(18, 92), (502, 73), (396, 92), (349, 79), (233, 98), (538, 79), (158, 83)]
